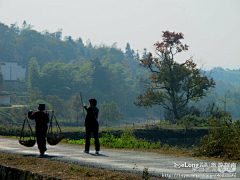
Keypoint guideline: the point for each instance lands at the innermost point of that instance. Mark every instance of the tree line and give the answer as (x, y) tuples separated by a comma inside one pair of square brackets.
[(59, 68)]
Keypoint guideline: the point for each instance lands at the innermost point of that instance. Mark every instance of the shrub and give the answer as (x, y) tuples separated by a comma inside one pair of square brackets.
[(72, 167), (88, 173), (79, 168), (156, 145), (145, 175), (127, 140), (189, 121), (223, 140), (166, 147)]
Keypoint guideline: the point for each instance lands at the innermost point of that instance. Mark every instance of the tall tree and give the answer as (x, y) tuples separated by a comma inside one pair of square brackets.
[(35, 95), (144, 55), (58, 104), (58, 34), (172, 85), (76, 106), (33, 74), (15, 28), (109, 112), (26, 41), (128, 52), (70, 40), (89, 44), (137, 57), (7, 43), (119, 55), (80, 47), (41, 54), (60, 79)]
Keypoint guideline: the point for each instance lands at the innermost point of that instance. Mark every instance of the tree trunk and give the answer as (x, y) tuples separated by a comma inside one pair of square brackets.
[(176, 115), (77, 117)]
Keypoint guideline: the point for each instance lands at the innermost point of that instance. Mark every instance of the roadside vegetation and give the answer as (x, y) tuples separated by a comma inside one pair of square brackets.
[(127, 140), (223, 140)]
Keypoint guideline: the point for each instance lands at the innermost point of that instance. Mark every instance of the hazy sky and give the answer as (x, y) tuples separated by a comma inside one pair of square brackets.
[(211, 27)]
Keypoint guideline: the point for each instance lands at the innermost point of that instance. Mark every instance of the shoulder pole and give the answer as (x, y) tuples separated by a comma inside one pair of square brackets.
[(82, 106)]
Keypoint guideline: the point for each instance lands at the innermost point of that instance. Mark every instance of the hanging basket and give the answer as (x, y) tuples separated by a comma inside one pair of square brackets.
[(54, 139), (27, 142)]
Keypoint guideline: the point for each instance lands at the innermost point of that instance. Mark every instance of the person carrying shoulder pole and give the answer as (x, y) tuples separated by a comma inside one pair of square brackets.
[(92, 125), (41, 126)]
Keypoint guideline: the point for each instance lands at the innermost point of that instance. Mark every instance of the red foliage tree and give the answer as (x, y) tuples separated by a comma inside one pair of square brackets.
[(172, 85)]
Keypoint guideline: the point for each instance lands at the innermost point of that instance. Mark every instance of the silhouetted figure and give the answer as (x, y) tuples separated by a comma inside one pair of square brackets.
[(41, 126), (91, 124)]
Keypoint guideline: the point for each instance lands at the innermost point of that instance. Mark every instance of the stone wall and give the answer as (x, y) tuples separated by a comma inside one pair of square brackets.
[(14, 86), (10, 173)]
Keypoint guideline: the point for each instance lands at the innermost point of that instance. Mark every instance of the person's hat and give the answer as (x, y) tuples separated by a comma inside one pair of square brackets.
[(41, 107)]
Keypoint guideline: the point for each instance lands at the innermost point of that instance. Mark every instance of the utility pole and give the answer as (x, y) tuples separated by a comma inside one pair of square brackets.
[(125, 110), (106, 113), (10, 82), (82, 107)]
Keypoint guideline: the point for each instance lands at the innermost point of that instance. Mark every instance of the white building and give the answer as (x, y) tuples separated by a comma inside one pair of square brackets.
[(13, 71)]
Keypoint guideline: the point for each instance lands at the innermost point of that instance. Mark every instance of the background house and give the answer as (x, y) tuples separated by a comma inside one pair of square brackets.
[(14, 77), (13, 71)]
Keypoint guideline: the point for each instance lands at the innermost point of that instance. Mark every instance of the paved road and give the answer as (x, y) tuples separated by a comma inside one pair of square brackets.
[(168, 167)]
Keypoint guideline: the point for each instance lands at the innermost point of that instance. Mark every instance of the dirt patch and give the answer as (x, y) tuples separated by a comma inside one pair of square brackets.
[(50, 168)]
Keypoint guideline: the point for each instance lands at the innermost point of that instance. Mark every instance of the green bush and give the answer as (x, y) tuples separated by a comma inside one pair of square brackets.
[(156, 145), (190, 121), (164, 123), (166, 147), (88, 173), (79, 168), (223, 140), (72, 167), (127, 140)]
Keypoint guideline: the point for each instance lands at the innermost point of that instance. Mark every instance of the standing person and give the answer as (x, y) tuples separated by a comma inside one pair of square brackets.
[(41, 126), (91, 124)]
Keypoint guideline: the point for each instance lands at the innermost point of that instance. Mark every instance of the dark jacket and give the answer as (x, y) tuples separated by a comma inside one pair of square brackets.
[(92, 116), (41, 119)]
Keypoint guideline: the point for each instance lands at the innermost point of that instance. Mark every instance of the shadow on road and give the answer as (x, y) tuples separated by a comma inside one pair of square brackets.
[(92, 154), (42, 156)]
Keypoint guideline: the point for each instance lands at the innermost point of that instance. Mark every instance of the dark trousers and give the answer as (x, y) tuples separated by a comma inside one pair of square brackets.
[(94, 130), (41, 139)]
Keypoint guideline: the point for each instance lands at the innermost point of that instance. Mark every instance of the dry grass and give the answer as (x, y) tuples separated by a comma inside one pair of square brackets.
[(60, 170)]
